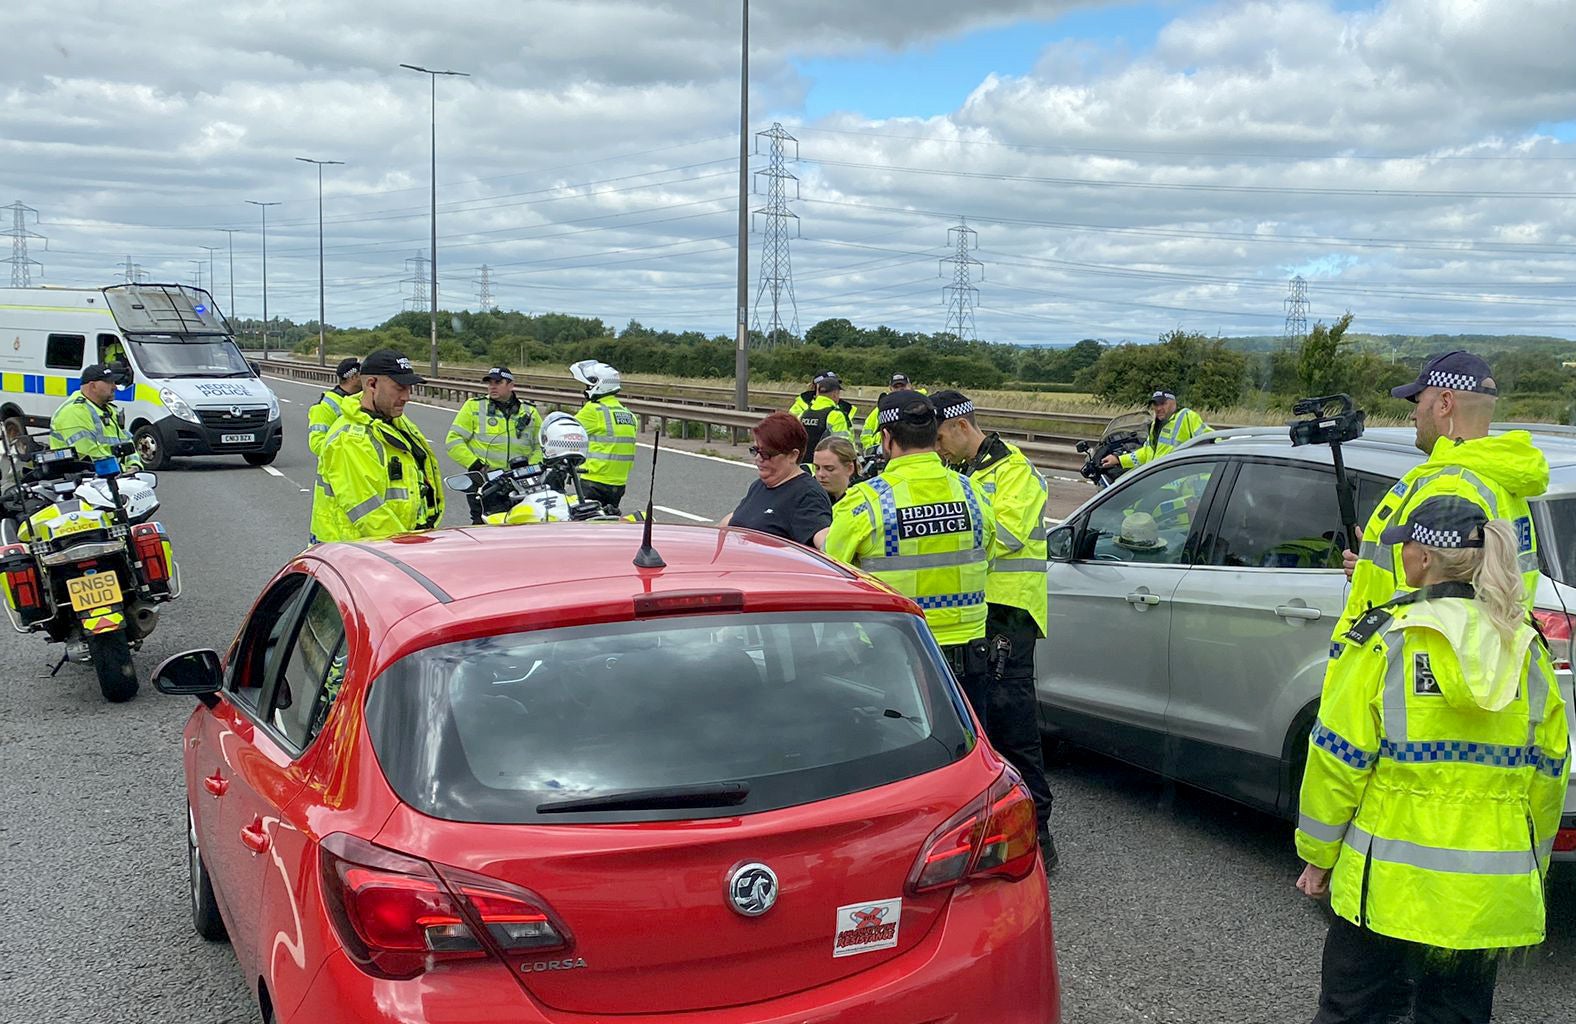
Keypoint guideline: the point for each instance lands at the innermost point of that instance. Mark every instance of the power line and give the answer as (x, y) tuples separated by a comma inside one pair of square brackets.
[(21, 264), (776, 275), (960, 296)]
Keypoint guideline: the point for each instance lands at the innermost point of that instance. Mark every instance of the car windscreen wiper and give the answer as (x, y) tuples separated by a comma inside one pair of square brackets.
[(709, 794)]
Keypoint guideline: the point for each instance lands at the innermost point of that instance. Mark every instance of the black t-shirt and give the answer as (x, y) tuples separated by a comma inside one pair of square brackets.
[(796, 509)]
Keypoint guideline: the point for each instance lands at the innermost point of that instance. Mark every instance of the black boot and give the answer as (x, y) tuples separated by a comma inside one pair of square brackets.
[(1048, 849)]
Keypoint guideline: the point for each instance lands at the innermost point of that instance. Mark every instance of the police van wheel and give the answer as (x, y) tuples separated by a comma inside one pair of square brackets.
[(148, 446), (260, 458)]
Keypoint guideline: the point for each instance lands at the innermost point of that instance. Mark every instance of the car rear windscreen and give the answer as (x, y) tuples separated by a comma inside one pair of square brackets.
[(664, 719)]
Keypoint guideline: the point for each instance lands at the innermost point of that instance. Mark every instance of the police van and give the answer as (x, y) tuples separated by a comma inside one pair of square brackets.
[(190, 390)]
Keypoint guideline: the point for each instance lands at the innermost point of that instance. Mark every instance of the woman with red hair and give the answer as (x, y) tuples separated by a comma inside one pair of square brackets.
[(785, 501)]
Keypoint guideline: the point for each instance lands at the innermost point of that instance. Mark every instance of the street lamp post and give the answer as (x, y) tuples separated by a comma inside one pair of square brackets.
[(433, 75), (741, 358), (229, 233), (210, 249), (265, 207), (322, 358)]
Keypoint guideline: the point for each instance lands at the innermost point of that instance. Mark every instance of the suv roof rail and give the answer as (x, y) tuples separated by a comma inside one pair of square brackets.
[(1558, 429), (1282, 433)]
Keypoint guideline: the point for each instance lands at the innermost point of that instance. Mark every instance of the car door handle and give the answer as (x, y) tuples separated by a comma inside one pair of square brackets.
[(1139, 598), (216, 784), (254, 838), (1297, 611)]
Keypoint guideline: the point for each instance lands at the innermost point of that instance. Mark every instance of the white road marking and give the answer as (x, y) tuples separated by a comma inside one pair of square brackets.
[(271, 471), (285, 400), (681, 514)]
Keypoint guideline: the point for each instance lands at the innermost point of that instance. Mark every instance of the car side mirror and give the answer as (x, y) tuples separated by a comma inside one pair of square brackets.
[(257, 371), (1059, 544), (197, 674), (465, 483)]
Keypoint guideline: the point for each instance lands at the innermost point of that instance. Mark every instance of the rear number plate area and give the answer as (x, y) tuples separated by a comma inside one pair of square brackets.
[(237, 438), (98, 590)]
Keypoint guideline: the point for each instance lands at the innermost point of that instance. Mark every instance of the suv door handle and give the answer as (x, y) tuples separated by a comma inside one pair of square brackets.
[(216, 784), (254, 838), (1139, 598), (1297, 611)]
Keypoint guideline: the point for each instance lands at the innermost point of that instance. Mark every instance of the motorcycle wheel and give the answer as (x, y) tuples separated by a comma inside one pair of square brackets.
[(111, 654)]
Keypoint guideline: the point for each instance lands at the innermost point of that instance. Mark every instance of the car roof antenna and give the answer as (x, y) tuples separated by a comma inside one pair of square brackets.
[(647, 557)]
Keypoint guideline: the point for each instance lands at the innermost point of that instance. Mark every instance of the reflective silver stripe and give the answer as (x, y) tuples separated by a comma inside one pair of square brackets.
[(366, 508), (1018, 565), (1007, 539), (1440, 858), (1545, 849), (1527, 561), (318, 428), (377, 446), (1537, 698), (901, 563), (397, 494), (1382, 555), (1039, 532), (324, 484), (1395, 694), (1321, 831), (81, 435), (610, 457), (602, 438), (461, 433)]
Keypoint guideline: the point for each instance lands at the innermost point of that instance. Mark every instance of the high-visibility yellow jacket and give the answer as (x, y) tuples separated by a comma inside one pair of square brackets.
[(495, 432), (1498, 474), (375, 478), (927, 533), (89, 429), (1436, 775), (824, 418), (870, 433), (1017, 494), (1165, 437), (320, 419), (612, 430)]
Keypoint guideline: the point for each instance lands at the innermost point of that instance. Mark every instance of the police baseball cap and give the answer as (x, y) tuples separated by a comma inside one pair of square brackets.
[(348, 367), (499, 373), (1162, 396), (386, 362), (1445, 521), (950, 405), (98, 372), (906, 406), (1458, 371), (899, 380), (828, 379)]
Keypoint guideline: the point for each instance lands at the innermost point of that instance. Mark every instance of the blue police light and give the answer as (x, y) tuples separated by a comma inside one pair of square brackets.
[(107, 466), (200, 309)]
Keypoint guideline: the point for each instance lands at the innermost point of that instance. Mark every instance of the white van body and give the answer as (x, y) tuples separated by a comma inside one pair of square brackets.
[(191, 390)]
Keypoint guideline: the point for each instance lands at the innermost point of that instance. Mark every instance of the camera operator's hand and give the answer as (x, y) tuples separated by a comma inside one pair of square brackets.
[(1348, 562), (1110, 462)]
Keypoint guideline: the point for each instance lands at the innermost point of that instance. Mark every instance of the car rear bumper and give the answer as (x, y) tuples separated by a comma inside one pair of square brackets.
[(1565, 842), (991, 961), (183, 437)]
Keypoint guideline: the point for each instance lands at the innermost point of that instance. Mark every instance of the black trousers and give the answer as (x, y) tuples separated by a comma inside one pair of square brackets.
[(1011, 709), (1364, 971), (607, 494)]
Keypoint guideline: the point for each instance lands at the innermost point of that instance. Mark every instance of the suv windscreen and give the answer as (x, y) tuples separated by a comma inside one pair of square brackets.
[(171, 355), (796, 708)]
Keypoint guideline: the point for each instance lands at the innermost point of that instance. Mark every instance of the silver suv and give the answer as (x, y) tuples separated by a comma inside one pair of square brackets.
[(1192, 604)]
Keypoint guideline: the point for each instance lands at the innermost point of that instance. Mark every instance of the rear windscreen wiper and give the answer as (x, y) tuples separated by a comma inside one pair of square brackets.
[(709, 794)]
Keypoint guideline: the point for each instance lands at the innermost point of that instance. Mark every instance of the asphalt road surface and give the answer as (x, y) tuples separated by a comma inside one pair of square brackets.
[(1170, 905)]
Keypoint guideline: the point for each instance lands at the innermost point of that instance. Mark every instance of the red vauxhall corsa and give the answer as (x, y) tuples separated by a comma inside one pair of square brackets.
[(504, 775)]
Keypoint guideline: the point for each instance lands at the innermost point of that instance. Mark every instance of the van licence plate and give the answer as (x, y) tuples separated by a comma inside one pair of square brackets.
[(96, 590), (237, 438)]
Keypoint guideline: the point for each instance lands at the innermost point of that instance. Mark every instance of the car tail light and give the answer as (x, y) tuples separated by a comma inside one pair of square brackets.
[(151, 547), (398, 916), (1557, 628), (21, 578), (682, 602), (993, 837), (1565, 840)]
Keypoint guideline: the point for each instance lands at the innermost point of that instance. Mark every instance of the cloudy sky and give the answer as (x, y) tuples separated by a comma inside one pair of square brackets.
[(1129, 167)]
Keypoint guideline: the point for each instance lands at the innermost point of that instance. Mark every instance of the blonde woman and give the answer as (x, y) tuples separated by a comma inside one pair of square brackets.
[(1436, 775), (836, 465)]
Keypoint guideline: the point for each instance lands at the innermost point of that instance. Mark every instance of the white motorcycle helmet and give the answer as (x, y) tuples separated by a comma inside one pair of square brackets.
[(562, 434), (598, 377)]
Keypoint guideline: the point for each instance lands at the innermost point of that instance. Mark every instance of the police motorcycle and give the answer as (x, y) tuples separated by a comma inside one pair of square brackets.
[(1124, 434), (536, 493), (83, 562)]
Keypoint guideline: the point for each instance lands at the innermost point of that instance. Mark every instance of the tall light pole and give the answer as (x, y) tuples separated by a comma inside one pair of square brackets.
[(211, 249), (741, 357), (198, 265), (433, 75), (230, 234), (265, 207), (322, 358)]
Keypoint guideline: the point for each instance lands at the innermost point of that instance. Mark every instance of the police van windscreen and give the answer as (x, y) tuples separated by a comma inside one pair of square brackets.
[(174, 355), (675, 719)]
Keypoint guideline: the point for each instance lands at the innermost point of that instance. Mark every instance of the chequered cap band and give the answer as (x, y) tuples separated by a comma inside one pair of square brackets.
[(889, 416), (1458, 382), (952, 412)]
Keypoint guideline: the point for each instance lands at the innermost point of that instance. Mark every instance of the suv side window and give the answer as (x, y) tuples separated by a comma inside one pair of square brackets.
[(1285, 516), (1150, 520), (262, 644), (314, 670)]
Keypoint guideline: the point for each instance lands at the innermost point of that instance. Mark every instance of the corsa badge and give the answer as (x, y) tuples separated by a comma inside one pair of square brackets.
[(866, 927)]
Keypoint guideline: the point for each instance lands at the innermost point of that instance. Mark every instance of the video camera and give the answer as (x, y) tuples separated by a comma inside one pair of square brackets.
[(1322, 427)]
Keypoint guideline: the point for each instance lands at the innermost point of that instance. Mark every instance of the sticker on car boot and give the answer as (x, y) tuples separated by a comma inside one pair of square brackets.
[(866, 927)]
